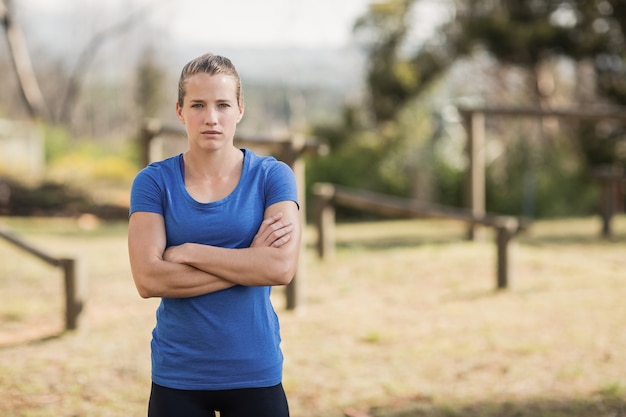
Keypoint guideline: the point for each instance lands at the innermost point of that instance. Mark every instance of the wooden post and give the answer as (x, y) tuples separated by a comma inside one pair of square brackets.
[(606, 207), (327, 196), (324, 220), (73, 275), (610, 178), (74, 291), (291, 154), (504, 233), (149, 129), (475, 181)]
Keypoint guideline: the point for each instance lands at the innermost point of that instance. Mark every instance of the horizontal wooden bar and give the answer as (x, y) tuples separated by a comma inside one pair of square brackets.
[(403, 207), (7, 235), (614, 113)]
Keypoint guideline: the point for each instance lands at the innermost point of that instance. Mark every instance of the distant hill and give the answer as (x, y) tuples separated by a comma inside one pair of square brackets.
[(62, 37), (284, 86), (291, 85), (337, 68)]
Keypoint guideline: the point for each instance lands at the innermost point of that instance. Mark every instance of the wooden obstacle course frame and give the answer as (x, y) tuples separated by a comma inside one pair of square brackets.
[(474, 122), (327, 196), (73, 277)]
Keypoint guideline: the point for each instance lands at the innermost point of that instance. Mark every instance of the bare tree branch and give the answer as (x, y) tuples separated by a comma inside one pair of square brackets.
[(86, 57), (20, 58)]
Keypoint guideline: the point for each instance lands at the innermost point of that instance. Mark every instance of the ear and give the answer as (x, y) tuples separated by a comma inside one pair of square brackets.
[(179, 113), (241, 112)]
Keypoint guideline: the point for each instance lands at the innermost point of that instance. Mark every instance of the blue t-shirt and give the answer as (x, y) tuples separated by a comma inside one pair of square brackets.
[(227, 339)]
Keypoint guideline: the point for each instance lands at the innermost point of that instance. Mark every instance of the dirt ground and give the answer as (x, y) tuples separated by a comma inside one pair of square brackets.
[(404, 321)]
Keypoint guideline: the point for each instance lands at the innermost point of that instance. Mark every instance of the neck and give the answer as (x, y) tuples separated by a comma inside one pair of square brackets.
[(213, 164)]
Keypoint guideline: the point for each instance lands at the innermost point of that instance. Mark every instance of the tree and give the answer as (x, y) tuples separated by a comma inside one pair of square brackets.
[(529, 34), (395, 77), (149, 92), (86, 57), (28, 83), (521, 41), (526, 34), (20, 58)]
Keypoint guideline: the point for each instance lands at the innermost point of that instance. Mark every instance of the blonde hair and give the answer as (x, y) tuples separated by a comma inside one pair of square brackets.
[(210, 64)]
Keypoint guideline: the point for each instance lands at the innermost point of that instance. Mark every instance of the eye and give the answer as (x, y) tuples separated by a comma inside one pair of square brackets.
[(224, 105), (197, 105)]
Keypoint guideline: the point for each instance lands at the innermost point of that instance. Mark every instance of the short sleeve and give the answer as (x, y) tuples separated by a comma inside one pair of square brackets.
[(281, 184), (146, 193)]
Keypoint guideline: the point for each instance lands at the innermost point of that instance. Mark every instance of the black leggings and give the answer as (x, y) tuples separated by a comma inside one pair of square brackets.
[(248, 402)]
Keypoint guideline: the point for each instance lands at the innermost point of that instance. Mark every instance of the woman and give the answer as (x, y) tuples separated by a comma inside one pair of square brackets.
[(210, 232)]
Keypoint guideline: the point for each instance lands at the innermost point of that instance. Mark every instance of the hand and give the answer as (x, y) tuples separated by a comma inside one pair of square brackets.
[(273, 232)]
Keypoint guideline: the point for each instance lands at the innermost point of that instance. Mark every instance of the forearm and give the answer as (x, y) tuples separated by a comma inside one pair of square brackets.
[(161, 278), (254, 266), (157, 276)]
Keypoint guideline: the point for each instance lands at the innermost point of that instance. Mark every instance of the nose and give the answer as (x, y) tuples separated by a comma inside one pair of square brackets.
[(210, 117)]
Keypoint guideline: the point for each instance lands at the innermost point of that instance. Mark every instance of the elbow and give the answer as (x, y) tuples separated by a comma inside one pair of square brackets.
[(145, 293), (283, 279), (144, 289), (286, 268), (285, 272)]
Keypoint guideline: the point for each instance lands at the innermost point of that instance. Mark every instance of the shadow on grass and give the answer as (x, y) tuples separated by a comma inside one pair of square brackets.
[(571, 239), (381, 244), (30, 336), (417, 241), (609, 402)]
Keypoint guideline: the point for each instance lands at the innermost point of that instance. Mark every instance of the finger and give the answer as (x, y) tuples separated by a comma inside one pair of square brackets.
[(280, 232), (273, 233), (275, 229), (281, 241), (273, 218), (268, 221)]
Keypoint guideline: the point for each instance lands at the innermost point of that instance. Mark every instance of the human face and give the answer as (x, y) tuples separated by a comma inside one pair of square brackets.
[(210, 111)]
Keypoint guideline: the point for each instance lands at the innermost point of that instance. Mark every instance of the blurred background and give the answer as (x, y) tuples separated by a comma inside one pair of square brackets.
[(404, 320), (380, 83)]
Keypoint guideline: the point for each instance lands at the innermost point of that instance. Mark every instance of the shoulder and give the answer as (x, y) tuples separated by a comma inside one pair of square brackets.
[(267, 164), (156, 175), (159, 169), (168, 164)]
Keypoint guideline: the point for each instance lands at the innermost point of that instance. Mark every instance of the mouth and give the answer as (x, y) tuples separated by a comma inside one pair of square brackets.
[(210, 132)]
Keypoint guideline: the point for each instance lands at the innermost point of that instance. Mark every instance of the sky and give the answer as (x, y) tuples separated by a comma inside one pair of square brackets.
[(307, 23), (243, 23)]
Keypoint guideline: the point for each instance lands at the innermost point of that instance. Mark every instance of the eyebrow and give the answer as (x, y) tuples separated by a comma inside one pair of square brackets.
[(219, 100)]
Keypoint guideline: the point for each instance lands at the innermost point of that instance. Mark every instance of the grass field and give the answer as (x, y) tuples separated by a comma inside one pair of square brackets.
[(403, 322)]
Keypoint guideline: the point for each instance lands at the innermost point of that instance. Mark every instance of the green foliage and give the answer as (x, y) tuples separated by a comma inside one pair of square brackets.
[(602, 144), (525, 33), (393, 77), (354, 165), (82, 162), (89, 167), (57, 142), (448, 183), (401, 154), (552, 182)]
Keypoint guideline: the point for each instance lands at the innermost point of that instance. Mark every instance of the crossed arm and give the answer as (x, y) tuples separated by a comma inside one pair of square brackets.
[(193, 269)]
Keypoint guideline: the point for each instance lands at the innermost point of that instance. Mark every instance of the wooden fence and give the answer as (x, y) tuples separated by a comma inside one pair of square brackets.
[(74, 278), (327, 196), (474, 122)]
